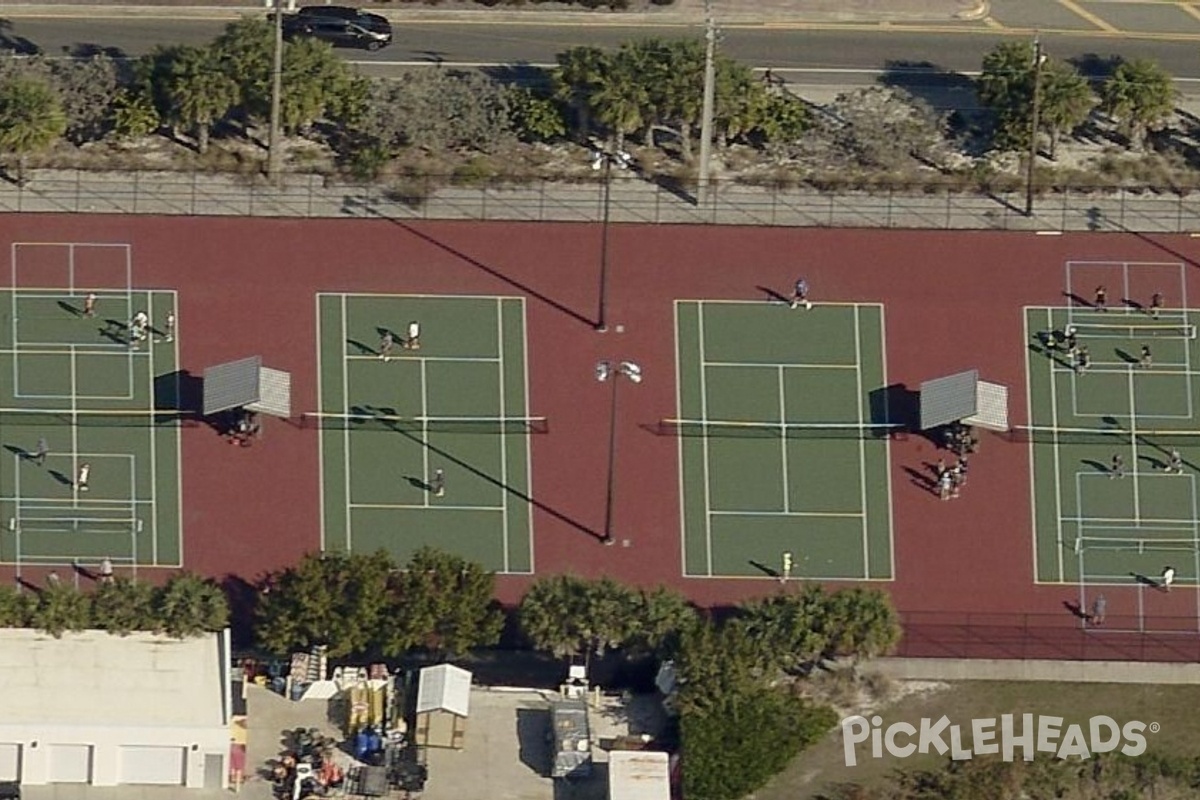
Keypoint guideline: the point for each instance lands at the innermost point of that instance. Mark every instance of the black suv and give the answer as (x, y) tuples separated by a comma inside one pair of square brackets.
[(340, 26)]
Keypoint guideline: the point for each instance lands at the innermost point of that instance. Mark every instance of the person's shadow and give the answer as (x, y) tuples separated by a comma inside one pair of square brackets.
[(1096, 465), (1077, 610), (1146, 581), (360, 347), (764, 569), (19, 452), (61, 478), (418, 483), (774, 296), (70, 309), (922, 479)]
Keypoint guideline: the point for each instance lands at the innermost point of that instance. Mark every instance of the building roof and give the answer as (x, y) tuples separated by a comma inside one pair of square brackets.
[(639, 775), (138, 680), (444, 687)]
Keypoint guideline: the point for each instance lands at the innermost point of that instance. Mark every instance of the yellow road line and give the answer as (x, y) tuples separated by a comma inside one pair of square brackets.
[(1080, 11), (1188, 9)]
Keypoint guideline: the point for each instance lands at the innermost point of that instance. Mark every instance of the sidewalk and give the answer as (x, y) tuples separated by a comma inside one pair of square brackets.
[(681, 12)]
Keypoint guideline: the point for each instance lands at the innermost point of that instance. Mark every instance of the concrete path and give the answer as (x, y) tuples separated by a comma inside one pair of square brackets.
[(954, 669)]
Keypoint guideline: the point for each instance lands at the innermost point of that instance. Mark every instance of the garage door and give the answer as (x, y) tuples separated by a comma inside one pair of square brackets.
[(70, 763), (10, 762), (155, 765)]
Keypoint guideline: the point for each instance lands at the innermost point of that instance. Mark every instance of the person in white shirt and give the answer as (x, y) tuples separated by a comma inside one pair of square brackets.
[(413, 342)]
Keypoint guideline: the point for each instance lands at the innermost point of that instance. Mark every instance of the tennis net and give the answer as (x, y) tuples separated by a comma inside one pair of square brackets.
[(90, 418), (736, 429), (420, 425), (1134, 330), (1103, 436)]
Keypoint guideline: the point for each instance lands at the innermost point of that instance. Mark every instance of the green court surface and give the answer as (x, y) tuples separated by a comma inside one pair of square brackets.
[(75, 382), (1091, 525), (458, 404), (782, 441)]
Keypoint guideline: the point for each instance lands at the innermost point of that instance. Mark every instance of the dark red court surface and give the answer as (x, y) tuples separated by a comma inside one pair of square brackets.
[(953, 302)]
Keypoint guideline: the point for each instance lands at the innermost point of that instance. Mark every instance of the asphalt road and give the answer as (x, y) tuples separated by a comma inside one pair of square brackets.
[(824, 52)]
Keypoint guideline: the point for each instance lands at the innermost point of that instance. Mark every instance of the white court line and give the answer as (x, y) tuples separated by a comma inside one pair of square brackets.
[(787, 486), (1120, 522), (683, 537), (1117, 367), (424, 431), (503, 432), (1058, 498), (74, 430), (821, 514), (1033, 477), (153, 433), (704, 439), (887, 446), (178, 438), (1196, 545), (789, 365), (320, 434), (346, 432), (374, 296), (1133, 467), (862, 445), (528, 444), (417, 507), (471, 359)]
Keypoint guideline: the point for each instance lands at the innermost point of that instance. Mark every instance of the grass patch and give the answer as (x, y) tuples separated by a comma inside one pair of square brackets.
[(822, 766)]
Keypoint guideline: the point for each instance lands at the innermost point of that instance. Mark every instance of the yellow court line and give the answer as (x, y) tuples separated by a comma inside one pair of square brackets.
[(1188, 9), (1080, 11)]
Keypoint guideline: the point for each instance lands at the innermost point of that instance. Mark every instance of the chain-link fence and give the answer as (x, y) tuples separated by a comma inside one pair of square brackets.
[(629, 199), (1057, 637)]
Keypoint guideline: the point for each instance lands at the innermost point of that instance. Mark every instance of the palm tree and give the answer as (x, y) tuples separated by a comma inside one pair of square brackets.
[(199, 92), (61, 608), (580, 71), (1067, 100), (188, 605), (1139, 95), (31, 119)]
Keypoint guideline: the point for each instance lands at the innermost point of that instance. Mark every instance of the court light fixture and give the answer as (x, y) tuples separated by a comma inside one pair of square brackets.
[(608, 371)]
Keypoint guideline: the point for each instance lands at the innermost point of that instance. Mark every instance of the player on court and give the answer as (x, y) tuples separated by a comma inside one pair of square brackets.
[(1101, 302), (1118, 467), (438, 484), (413, 342), (1071, 341), (1168, 577), (800, 295), (1156, 304), (89, 305), (1147, 360), (1174, 463), (85, 473), (43, 450), (387, 343), (169, 327)]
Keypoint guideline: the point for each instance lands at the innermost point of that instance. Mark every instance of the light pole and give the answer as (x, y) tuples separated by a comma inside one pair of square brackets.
[(608, 371), (275, 142), (707, 101), (1038, 58), (606, 159)]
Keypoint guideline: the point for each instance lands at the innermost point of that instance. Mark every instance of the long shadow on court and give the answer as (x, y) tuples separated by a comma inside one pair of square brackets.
[(19, 452), (921, 479), (1096, 465), (61, 478), (363, 350), (763, 568), (490, 270), (70, 309), (774, 296), (579, 526)]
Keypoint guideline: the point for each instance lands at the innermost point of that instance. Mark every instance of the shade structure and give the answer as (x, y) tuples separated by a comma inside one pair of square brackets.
[(962, 397), (247, 384)]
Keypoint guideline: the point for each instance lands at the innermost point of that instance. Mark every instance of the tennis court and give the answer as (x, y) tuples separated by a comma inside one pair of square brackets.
[(1096, 524), (783, 440), (83, 390), (458, 404)]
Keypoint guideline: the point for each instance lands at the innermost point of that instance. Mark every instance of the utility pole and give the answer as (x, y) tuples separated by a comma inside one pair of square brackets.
[(275, 142), (710, 80), (602, 317), (1038, 58), (613, 372)]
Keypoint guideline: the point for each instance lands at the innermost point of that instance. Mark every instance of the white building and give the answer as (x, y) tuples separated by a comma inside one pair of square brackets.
[(93, 708), (637, 775)]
